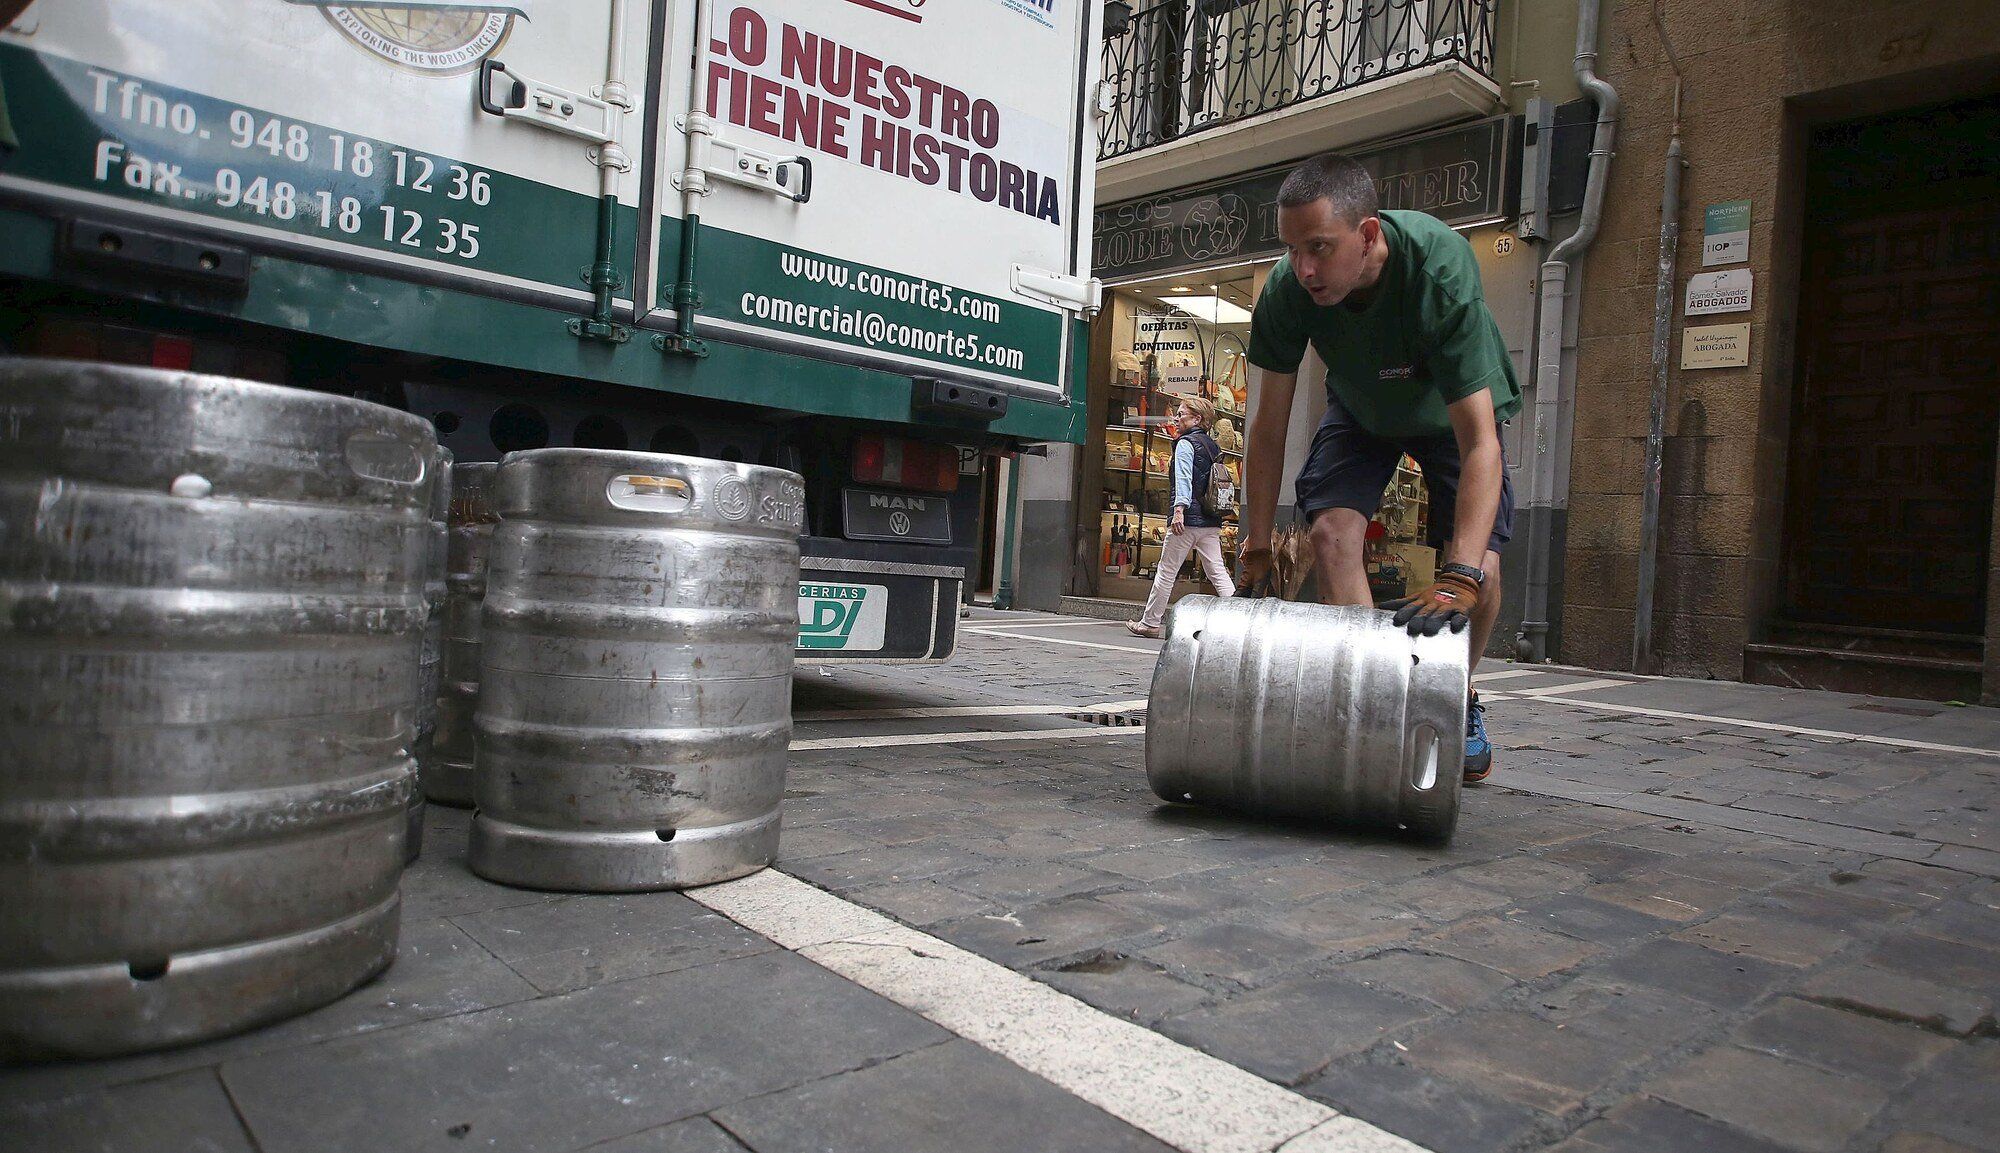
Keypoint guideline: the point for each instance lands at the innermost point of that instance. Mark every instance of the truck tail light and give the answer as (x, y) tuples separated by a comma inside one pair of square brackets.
[(173, 352), (903, 463)]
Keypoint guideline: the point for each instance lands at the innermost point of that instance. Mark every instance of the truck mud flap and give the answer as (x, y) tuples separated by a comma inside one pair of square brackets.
[(877, 610)]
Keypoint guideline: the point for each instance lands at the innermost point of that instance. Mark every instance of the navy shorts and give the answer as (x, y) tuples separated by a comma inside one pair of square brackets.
[(1348, 467)]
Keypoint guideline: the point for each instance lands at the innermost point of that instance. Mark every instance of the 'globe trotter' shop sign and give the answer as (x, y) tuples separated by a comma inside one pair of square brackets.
[(1463, 175)]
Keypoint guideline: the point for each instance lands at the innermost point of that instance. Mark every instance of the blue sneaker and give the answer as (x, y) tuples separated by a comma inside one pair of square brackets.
[(1478, 750)]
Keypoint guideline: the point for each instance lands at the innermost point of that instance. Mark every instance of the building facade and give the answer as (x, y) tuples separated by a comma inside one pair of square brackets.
[(1821, 351), (1206, 105), (1830, 382)]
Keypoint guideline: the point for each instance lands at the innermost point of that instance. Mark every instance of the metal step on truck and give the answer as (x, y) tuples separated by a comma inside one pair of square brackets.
[(844, 237)]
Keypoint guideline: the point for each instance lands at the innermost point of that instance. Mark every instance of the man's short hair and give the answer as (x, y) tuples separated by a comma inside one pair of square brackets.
[(1334, 178)]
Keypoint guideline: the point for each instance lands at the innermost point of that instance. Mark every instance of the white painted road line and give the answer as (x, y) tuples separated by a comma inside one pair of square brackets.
[(911, 714), (1066, 623), (1062, 641), (1502, 674), (1571, 687), (1190, 1100), (1761, 726), (1116, 707), (897, 739)]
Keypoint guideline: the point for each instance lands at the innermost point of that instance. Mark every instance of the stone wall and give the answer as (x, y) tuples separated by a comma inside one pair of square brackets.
[(1756, 76)]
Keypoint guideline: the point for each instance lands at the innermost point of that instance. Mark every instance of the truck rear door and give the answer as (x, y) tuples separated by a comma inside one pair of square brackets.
[(340, 135), (891, 183)]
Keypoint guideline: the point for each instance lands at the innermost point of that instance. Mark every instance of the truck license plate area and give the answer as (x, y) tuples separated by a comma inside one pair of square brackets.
[(922, 518)]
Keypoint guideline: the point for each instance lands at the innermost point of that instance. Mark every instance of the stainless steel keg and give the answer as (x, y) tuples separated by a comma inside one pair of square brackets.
[(1308, 711), (211, 600), (431, 659), (635, 675), (447, 776)]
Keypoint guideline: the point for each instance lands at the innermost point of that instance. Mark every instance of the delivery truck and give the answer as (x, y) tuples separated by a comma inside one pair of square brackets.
[(844, 237)]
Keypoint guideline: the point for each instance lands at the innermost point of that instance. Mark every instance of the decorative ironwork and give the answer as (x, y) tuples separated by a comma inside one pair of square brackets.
[(1184, 66)]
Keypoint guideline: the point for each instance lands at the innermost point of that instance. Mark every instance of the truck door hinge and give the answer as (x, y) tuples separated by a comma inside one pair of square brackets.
[(680, 344), (711, 155), (585, 328), (1075, 293), (515, 97)]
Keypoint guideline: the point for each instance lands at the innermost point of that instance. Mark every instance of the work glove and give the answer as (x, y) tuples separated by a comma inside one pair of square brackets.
[(1447, 604), (1254, 566)]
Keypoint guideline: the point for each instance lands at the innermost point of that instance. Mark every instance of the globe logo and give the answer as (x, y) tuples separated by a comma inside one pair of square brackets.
[(431, 41), (1215, 226)]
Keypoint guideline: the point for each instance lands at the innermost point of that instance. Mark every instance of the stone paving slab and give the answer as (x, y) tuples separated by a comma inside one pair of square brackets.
[(1666, 933), (185, 1111), (954, 1096), (1537, 980), (567, 1071)]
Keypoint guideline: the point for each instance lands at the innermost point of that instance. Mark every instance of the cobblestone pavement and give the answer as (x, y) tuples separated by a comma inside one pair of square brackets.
[(1682, 915)]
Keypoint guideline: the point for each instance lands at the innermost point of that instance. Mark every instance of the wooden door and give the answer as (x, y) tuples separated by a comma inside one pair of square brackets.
[(1890, 491)]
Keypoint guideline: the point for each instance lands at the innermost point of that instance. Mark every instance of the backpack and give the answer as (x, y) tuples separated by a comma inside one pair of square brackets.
[(1217, 497)]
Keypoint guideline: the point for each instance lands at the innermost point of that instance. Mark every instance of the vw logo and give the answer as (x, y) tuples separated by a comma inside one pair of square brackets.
[(899, 523)]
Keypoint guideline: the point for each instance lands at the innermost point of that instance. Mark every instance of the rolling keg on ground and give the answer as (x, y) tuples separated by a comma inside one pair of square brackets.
[(635, 675), (430, 663), (447, 776), (1311, 712), (211, 599)]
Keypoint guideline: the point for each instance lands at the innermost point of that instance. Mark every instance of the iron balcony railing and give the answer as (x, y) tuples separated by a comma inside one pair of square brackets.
[(1184, 66)]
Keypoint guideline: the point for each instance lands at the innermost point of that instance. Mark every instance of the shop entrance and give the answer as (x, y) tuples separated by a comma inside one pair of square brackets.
[(1187, 335), (1171, 338), (1891, 481)]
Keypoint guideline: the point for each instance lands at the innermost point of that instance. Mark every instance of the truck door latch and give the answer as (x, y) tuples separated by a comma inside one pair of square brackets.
[(710, 155), (1079, 294), (515, 97)]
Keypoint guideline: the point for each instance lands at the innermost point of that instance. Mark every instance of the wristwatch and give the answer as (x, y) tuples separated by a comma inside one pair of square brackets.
[(1476, 576)]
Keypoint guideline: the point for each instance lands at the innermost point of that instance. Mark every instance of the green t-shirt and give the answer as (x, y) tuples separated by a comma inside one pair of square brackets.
[(1423, 340)]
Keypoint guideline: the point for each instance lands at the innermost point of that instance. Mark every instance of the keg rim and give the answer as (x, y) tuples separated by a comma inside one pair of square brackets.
[(171, 377), (640, 461)]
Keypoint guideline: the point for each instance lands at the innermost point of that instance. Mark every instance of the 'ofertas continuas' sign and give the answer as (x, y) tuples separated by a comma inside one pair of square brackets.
[(1460, 175)]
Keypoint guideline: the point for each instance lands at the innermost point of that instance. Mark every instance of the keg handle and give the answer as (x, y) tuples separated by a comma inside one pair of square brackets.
[(646, 492), (385, 457)]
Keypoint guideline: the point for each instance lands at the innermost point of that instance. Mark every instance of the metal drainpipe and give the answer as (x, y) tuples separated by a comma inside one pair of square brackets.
[(694, 186), (1550, 427), (612, 160), (1656, 429), (1003, 588)]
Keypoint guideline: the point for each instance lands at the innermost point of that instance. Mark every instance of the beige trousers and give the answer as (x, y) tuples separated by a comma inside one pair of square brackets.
[(1205, 543)]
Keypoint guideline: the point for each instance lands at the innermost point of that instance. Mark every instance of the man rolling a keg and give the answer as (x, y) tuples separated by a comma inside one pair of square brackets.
[(1391, 302)]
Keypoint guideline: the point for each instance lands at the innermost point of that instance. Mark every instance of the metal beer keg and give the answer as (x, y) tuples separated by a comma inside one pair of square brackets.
[(1310, 712), (447, 776), (211, 599), (635, 673), (430, 660)]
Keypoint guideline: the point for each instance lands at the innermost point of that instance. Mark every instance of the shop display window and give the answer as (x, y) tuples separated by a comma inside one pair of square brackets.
[(1173, 338), (1184, 336)]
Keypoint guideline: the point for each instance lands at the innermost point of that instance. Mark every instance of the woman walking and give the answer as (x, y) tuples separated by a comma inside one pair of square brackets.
[(1193, 529)]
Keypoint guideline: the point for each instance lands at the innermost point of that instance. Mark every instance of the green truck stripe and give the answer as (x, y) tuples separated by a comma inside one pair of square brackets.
[(387, 313)]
